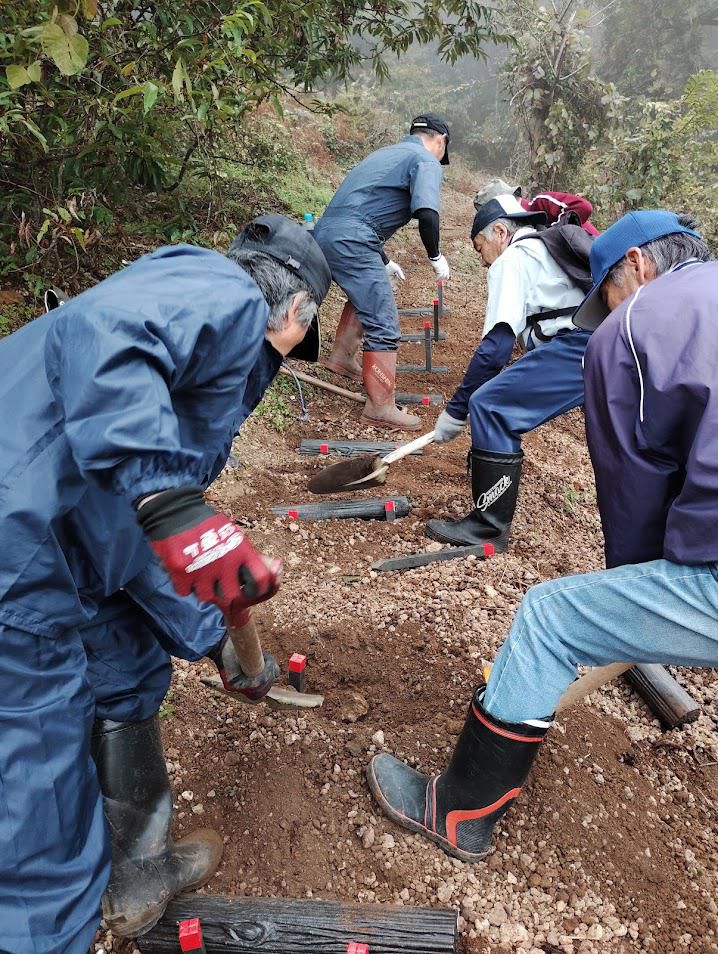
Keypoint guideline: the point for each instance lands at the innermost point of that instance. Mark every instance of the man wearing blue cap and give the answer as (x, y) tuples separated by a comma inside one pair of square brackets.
[(120, 409), (377, 197), (652, 425), (536, 281)]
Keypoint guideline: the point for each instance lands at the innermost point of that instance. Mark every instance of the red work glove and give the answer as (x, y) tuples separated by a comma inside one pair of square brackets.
[(206, 552)]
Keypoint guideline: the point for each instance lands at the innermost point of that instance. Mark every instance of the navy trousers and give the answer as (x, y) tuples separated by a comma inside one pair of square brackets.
[(54, 845), (353, 250), (541, 385)]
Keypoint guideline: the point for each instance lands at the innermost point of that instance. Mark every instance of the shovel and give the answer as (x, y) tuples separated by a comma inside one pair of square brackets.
[(358, 473)]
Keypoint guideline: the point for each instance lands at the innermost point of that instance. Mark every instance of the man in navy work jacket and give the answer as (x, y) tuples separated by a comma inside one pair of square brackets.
[(120, 407), (652, 426), (531, 298), (377, 197)]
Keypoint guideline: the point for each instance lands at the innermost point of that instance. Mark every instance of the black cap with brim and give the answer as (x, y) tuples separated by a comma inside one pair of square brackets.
[(504, 207), (295, 248), (592, 310), (430, 121), (291, 245)]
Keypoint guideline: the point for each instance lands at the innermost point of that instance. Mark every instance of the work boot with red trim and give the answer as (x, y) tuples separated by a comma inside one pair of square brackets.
[(344, 358), (459, 808)]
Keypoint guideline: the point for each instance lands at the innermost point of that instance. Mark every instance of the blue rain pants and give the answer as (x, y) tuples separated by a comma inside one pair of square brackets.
[(541, 385), (354, 253), (55, 860)]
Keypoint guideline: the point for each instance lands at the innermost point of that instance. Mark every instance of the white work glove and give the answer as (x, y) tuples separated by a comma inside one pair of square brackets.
[(447, 428), (440, 266), (394, 271)]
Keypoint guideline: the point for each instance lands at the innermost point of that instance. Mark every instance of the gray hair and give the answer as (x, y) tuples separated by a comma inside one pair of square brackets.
[(667, 252), (512, 227), (278, 286)]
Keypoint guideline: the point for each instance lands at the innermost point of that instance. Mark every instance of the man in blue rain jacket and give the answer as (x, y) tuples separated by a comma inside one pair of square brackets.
[(120, 406)]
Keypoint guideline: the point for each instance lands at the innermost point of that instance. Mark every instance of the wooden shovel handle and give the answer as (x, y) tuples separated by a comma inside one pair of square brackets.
[(593, 679), (248, 647), (409, 448)]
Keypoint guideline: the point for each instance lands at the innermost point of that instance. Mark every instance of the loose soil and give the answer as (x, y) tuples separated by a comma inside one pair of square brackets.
[(611, 846)]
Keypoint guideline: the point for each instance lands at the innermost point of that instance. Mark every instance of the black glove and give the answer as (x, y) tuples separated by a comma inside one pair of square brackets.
[(254, 688)]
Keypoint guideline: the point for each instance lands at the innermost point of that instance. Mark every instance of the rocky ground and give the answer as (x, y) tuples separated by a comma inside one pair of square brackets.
[(611, 846)]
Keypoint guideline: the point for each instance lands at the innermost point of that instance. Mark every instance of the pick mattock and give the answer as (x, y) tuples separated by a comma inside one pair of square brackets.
[(359, 473)]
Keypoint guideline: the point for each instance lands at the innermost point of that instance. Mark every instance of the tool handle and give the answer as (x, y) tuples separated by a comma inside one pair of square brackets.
[(593, 679), (409, 448), (247, 646)]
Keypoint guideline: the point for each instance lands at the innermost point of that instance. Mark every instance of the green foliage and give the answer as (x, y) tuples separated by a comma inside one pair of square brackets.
[(662, 154), (562, 108), (275, 408)]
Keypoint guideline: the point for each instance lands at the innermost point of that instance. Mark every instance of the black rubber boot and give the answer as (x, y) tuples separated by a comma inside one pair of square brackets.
[(459, 808), (494, 488), (148, 868)]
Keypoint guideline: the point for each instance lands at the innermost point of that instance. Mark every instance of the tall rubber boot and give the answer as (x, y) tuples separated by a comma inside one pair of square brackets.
[(344, 358), (380, 409), (495, 481), (148, 868), (459, 809)]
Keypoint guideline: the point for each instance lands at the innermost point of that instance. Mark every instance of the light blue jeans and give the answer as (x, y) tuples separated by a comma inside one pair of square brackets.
[(658, 612)]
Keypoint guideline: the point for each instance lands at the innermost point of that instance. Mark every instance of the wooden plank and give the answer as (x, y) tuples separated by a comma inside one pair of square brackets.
[(664, 695), (279, 926), (419, 336), (483, 551), (372, 508), (402, 397), (310, 448), (422, 312), (420, 369)]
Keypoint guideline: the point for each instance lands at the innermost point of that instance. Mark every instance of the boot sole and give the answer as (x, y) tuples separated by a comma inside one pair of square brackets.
[(387, 425), (444, 538), (405, 822), (141, 924)]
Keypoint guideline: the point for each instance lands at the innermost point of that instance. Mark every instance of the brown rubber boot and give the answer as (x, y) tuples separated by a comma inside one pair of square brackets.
[(343, 359), (380, 409)]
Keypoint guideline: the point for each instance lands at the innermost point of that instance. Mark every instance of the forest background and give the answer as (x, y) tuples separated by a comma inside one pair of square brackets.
[(127, 124)]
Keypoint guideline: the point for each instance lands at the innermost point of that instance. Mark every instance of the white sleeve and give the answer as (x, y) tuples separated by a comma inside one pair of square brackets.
[(511, 279)]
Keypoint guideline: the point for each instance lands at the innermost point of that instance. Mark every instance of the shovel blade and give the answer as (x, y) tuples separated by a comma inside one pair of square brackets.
[(338, 478)]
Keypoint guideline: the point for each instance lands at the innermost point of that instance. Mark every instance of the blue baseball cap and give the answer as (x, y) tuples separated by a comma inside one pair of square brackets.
[(632, 231)]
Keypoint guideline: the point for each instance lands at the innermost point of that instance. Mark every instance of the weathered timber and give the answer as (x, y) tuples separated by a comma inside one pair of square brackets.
[(664, 696), (279, 926), (420, 369), (421, 312), (432, 556), (401, 397), (373, 508), (311, 448), (419, 336)]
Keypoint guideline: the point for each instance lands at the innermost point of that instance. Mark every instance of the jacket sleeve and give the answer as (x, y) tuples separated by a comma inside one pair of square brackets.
[(489, 358), (149, 368), (185, 627)]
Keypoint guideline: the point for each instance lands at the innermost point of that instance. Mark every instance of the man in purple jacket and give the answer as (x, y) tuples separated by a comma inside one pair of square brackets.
[(651, 403)]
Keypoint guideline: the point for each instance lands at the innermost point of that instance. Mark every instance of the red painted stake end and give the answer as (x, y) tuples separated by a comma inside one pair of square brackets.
[(297, 662), (324, 448), (436, 301), (425, 401), (489, 549), (190, 935), (293, 514), (354, 948)]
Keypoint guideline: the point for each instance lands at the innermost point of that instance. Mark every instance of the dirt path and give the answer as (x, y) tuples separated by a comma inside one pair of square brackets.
[(612, 845)]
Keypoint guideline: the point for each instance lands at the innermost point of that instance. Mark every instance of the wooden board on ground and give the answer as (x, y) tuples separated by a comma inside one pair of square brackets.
[(311, 447), (422, 312), (279, 926), (420, 369), (371, 508), (419, 336), (431, 556), (401, 397), (664, 696)]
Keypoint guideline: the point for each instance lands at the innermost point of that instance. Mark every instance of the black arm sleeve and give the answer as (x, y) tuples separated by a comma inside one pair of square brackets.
[(429, 230)]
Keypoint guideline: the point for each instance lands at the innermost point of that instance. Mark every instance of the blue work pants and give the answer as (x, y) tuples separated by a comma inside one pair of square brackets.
[(54, 846), (353, 251), (657, 612), (541, 385)]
